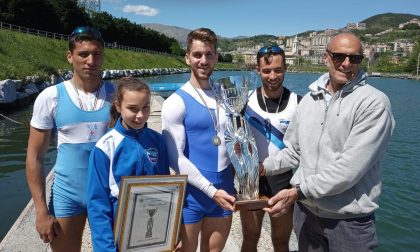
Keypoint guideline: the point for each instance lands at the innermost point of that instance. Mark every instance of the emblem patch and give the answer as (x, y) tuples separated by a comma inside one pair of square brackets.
[(283, 124), (152, 154)]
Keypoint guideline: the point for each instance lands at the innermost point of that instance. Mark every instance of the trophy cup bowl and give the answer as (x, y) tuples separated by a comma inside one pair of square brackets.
[(240, 143)]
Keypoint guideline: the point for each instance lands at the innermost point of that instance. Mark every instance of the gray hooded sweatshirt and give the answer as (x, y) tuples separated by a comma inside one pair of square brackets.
[(337, 148)]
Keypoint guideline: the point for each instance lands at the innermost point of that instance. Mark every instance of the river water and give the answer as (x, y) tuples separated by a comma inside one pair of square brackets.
[(398, 219)]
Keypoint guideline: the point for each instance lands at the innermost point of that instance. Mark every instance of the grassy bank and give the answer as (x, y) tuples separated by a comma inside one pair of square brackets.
[(23, 55)]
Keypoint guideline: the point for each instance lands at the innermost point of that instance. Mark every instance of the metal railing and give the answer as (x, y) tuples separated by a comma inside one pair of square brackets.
[(52, 35)]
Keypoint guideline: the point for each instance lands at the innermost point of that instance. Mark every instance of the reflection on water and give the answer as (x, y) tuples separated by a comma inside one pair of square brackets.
[(14, 192), (398, 219)]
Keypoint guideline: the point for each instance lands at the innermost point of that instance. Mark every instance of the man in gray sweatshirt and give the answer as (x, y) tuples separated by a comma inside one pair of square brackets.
[(337, 142)]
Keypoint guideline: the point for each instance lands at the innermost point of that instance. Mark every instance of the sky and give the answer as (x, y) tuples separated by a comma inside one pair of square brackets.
[(232, 18)]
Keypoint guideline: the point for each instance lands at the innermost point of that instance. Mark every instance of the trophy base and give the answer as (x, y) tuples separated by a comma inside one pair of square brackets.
[(251, 205)]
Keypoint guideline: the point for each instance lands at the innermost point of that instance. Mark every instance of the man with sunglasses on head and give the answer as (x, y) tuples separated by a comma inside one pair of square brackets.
[(337, 142), (269, 110), (78, 110)]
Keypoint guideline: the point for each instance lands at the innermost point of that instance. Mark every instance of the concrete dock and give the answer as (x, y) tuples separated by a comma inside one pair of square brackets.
[(23, 237)]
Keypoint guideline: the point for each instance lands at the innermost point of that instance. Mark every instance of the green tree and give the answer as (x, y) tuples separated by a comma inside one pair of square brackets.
[(411, 66), (176, 49), (227, 57), (70, 15), (30, 14), (411, 26)]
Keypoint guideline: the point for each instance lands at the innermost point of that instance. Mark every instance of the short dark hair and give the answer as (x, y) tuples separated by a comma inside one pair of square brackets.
[(84, 33), (202, 34), (267, 52)]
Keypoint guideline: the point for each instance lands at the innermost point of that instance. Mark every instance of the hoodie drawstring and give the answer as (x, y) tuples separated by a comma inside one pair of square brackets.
[(339, 102)]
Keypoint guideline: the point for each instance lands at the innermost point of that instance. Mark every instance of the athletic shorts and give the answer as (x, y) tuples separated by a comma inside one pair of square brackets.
[(198, 205), (271, 185), (62, 204)]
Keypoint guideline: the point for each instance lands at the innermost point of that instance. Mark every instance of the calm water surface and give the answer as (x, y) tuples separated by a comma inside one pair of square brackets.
[(398, 219)]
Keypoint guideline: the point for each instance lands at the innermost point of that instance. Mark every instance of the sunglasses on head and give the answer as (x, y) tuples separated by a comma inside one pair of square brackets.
[(86, 31), (273, 49), (340, 57)]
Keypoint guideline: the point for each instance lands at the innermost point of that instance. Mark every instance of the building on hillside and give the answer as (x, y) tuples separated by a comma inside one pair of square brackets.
[(246, 58), (305, 42), (291, 58), (412, 21), (281, 41), (356, 26), (330, 32), (289, 42), (405, 46), (369, 51), (295, 46), (382, 47), (320, 40), (384, 32)]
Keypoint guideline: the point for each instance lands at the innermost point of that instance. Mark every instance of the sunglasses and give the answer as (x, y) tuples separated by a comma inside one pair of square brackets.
[(86, 31), (340, 57), (273, 49)]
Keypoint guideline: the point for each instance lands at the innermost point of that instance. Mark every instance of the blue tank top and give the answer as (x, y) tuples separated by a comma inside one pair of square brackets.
[(199, 131), (78, 130)]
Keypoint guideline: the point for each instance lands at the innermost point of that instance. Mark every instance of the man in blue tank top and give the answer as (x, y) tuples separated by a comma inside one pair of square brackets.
[(193, 124), (78, 110)]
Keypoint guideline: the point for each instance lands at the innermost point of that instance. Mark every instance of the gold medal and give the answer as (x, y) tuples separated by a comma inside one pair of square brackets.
[(216, 140)]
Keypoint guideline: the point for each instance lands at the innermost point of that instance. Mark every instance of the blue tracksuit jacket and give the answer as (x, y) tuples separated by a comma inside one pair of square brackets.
[(120, 152)]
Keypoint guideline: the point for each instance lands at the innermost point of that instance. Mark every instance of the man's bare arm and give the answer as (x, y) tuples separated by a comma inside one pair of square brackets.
[(38, 143)]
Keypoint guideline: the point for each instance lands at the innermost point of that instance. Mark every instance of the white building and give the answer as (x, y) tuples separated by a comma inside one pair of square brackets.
[(412, 21), (403, 45), (380, 48), (356, 26)]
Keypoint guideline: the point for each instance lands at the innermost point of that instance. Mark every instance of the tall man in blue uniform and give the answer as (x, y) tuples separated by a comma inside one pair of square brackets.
[(194, 123), (79, 110)]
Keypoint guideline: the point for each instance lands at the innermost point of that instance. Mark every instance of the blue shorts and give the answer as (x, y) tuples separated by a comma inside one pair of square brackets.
[(198, 205), (63, 204)]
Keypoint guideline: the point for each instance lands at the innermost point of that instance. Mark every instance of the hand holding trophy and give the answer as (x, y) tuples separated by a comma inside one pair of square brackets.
[(240, 143)]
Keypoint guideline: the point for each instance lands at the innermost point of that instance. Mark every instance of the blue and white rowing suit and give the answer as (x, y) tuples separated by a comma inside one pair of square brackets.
[(268, 130), (188, 130), (77, 132), (120, 152)]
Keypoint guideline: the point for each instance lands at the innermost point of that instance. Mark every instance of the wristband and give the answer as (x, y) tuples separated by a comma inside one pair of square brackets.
[(301, 196)]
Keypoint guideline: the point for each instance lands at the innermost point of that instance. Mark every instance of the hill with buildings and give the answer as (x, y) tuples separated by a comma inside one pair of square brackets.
[(371, 26), (391, 42), (386, 21)]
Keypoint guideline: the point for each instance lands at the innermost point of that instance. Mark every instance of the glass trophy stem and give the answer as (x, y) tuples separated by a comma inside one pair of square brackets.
[(240, 142), (238, 122)]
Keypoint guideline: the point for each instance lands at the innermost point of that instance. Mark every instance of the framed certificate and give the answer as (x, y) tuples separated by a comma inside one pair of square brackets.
[(149, 212)]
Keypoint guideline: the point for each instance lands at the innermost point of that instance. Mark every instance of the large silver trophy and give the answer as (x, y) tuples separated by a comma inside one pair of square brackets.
[(240, 143)]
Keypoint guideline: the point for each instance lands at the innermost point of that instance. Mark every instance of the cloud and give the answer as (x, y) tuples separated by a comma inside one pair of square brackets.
[(141, 10)]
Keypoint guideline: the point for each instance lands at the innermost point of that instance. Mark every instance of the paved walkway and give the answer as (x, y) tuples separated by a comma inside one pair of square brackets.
[(22, 237)]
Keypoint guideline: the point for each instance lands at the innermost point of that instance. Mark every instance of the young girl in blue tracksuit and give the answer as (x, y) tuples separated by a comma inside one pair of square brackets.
[(128, 149)]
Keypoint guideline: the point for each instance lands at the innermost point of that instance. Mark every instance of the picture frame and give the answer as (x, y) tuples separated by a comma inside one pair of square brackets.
[(149, 212)]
